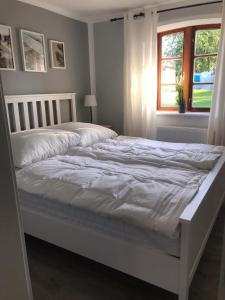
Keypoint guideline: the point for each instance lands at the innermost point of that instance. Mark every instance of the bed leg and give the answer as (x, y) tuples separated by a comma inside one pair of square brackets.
[(221, 291), (184, 257), (184, 294)]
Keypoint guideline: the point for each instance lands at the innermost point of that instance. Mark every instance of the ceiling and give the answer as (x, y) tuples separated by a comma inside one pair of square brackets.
[(95, 9)]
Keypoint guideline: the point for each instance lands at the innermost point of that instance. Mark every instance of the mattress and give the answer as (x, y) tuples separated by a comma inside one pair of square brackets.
[(97, 222), (131, 188)]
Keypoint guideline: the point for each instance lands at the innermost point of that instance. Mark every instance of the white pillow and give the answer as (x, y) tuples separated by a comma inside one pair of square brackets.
[(38, 144), (89, 133)]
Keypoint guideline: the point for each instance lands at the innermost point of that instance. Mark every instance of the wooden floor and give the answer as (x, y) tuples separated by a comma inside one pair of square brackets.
[(61, 275)]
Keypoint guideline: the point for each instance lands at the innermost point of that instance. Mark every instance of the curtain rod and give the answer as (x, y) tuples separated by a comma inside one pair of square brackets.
[(141, 14)]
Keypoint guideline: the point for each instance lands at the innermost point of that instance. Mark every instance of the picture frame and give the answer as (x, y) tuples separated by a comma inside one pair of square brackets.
[(57, 53), (7, 57), (33, 51)]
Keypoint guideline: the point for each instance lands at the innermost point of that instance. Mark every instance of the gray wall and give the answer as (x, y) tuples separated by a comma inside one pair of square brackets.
[(14, 274), (109, 67), (109, 73), (75, 35)]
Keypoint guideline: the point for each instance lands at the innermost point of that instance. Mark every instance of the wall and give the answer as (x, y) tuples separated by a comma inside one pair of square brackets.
[(75, 35), (109, 73), (14, 275), (109, 67)]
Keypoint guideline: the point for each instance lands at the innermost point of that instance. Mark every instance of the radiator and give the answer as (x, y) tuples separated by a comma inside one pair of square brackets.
[(182, 134)]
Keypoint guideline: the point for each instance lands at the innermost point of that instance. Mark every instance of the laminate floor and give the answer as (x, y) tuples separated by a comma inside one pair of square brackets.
[(61, 275)]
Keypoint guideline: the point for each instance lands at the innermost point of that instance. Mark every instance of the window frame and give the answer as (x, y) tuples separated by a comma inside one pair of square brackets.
[(188, 64)]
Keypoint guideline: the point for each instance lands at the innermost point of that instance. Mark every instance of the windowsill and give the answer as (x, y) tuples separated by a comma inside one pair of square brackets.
[(187, 114)]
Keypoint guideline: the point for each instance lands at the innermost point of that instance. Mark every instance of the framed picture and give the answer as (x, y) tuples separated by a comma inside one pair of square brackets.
[(57, 50), (7, 60), (33, 51)]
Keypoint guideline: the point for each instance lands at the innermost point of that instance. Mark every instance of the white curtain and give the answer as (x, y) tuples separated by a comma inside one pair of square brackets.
[(140, 74), (216, 130)]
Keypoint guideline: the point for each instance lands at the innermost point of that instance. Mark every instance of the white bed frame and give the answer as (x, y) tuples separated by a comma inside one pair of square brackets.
[(32, 118), (151, 265)]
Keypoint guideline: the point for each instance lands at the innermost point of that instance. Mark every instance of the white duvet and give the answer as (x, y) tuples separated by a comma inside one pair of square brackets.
[(140, 182)]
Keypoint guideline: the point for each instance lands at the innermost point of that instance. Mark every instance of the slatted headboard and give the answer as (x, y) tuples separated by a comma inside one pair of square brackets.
[(34, 111)]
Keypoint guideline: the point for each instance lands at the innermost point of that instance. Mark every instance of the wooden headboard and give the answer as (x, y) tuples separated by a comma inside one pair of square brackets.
[(35, 111)]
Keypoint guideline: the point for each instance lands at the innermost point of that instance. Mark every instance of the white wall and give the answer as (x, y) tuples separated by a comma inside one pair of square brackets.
[(109, 66)]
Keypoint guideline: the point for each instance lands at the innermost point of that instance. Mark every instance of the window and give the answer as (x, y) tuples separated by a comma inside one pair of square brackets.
[(190, 52)]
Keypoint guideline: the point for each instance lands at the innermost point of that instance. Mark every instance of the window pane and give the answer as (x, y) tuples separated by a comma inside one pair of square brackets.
[(204, 69), (172, 45), (168, 96), (202, 96), (171, 69), (207, 41)]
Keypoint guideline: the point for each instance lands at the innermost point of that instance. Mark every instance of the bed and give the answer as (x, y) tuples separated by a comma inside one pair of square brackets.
[(153, 260)]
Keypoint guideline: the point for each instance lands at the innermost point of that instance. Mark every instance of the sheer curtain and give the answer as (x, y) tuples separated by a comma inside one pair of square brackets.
[(140, 74), (216, 131)]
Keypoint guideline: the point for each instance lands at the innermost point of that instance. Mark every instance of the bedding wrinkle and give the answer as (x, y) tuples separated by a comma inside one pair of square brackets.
[(142, 183)]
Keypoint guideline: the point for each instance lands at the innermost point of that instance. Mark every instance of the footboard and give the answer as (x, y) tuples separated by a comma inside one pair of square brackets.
[(197, 222)]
